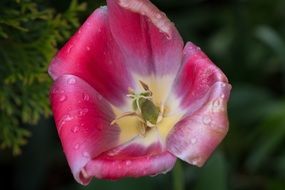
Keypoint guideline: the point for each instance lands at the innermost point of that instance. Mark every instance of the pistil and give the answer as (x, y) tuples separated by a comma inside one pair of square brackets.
[(144, 109)]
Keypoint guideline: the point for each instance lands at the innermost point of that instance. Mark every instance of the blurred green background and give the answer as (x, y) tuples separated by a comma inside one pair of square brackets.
[(245, 38)]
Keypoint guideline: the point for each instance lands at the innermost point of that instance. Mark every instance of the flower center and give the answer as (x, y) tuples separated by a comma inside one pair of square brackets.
[(144, 109)]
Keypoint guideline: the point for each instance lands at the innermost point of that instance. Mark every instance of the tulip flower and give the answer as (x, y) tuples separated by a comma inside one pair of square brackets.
[(129, 98)]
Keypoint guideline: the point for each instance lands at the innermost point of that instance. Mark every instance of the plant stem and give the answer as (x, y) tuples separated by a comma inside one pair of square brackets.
[(177, 177)]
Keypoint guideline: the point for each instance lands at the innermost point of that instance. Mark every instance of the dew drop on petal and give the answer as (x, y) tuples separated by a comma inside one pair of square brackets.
[(69, 48), (75, 129), (68, 117), (71, 81), (86, 154), (76, 147), (207, 120), (62, 98), (87, 48), (158, 16), (85, 97), (216, 103), (169, 37), (193, 140), (63, 121), (83, 112), (223, 96), (128, 162)]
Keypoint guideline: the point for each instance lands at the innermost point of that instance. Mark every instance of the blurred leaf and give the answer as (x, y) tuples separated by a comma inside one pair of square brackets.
[(272, 134), (271, 38)]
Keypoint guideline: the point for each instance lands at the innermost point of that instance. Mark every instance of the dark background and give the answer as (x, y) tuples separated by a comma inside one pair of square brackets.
[(246, 39)]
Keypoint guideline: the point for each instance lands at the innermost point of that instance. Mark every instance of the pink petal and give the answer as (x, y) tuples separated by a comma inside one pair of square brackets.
[(146, 36), (131, 160), (195, 137), (93, 55), (83, 119), (197, 75)]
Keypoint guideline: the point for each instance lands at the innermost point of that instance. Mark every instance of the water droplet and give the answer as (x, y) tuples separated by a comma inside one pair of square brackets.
[(71, 81), (76, 147), (223, 96), (69, 48), (57, 91), (193, 141), (68, 117), (62, 98), (158, 16), (168, 36), (75, 129), (88, 48), (83, 112), (85, 97), (86, 155), (216, 103), (207, 119), (128, 162), (62, 122)]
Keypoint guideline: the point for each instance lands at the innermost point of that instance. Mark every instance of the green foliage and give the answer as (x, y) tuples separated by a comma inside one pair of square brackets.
[(29, 35)]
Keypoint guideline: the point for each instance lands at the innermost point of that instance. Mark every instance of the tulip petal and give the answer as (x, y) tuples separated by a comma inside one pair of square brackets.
[(202, 91), (195, 137), (195, 78), (82, 117), (146, 36), (93, 55), (137, 158)]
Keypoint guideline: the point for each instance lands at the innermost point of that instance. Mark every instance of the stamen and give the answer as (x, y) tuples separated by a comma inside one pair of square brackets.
[(144, 85), (161, 112), (149, 124), (126, 115), (142, 129)]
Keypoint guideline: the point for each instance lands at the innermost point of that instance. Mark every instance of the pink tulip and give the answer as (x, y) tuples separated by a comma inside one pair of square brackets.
[(128, 98)]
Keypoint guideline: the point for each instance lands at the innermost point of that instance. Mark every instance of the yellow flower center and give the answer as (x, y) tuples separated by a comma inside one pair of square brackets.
[(148, 117)]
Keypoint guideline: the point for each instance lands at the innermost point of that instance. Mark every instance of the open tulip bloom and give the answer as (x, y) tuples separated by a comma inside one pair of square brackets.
[(129, 98)]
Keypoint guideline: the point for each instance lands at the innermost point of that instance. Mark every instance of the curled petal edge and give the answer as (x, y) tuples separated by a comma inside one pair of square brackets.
[(196, 136)]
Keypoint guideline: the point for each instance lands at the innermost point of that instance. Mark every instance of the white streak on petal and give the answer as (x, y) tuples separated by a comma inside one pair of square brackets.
[(146, 8)]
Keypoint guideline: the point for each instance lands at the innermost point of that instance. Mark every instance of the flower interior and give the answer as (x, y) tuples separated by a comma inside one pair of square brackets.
[(147, 112)]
